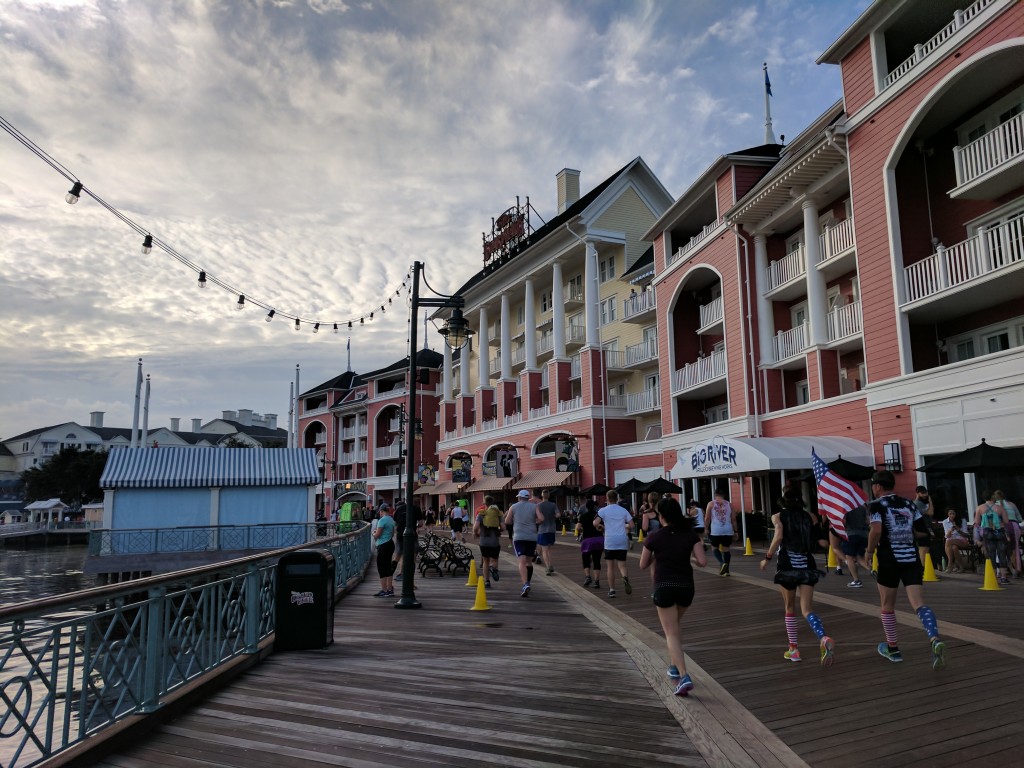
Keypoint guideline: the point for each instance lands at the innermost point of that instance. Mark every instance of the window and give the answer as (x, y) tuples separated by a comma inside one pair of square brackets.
[(650, 382), (574, 288), (606, 269), (997, 342), (521, 314), (545, 301), (835, 298), (608, 310), (991, 118), (798, 314), (803, 393), (986, 341), (716, 414)]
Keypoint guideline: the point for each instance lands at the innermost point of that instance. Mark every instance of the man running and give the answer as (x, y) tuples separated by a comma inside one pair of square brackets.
[(894, 523), (547, 529), (720, 520), (524, 518), (616, 523)]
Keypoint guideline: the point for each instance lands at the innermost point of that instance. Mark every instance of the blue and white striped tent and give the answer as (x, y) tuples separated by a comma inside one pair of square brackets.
[(177, 487)]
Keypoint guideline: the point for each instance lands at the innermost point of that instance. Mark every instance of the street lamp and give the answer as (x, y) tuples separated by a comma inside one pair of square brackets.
[(456, 333)]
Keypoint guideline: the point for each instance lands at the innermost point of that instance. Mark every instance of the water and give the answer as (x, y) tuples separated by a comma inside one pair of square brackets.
[(34, 573)]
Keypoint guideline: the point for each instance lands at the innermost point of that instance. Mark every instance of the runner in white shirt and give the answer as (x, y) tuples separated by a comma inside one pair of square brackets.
[(616, 523)]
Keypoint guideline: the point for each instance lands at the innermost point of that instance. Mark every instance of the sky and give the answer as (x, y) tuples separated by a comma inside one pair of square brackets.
[(307, 152)]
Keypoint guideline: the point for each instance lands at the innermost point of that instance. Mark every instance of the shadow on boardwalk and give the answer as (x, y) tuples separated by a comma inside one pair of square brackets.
[(569, 677)]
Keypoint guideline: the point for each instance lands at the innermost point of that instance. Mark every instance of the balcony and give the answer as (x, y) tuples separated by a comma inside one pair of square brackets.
[(694, 378), (572, 294), (837, 250), (711, 316), (386, 451), (616, 401), (785, 276), (844, 325), (990, 166), (488, 425), (539, 413), (494, 335), (638, 308), (972, 269), (575, 335), (545, 343), (513, 418), (788, 346), (519, 355), (642, 354), (545, 377), (575, 367), (642, 402), (923, 51), (495, 366), (683, 251), (320, 438), (353, 457), (614, 360), (349, 433), (570, 405)]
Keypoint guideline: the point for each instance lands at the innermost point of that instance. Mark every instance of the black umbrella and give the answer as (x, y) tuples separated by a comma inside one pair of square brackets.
[(851, 471), (980, 457), (598, 489), (660, 485), (629, 487)]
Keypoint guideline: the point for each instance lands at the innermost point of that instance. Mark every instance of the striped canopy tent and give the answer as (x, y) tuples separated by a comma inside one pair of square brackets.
[(209, 467)]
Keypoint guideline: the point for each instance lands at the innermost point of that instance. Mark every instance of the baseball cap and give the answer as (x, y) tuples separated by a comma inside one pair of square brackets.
[(524, 494)]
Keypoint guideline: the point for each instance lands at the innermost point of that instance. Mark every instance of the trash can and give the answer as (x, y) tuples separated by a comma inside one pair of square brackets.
[(305, 600)]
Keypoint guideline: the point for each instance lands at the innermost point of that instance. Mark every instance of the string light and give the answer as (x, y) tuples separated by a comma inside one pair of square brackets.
[(336, 327), (316, 328), (296, 323), (270, 316), (241, 302), (74, 193), (147, 244), (350, 325), (202, 278)]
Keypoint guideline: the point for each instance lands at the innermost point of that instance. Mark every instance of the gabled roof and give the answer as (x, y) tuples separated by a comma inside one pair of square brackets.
[(643, 265), (253, 431), (425, 358), (345, 380), (109, 433), (34, 432)]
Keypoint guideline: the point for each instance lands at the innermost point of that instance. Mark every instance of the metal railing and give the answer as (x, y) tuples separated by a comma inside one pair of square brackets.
[(571, 292), (539, 413), (74, 665), (202, 538), (844, 321), (575, 334), (836, 239), (788, 268), (699, 372), (545, 342), (387, 451), (988, 152)]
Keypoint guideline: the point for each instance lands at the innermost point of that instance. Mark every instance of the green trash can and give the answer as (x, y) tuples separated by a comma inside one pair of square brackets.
[(304, 613)]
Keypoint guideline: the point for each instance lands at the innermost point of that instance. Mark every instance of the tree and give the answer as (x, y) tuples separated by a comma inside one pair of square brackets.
[(71, 475), (234, 442)]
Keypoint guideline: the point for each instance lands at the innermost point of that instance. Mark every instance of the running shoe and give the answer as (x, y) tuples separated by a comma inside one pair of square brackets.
[(587, 581), (827, 651), (611, 593), (938, 654), (892, 654), (723, 570), (525, 591), (494, 574), (597, 584), (391, 593), (382, 593), (673, 672), (627, 586), (856, 584), (793, 654), (839, 570), (487, 584), (684, 686), (550, 571)]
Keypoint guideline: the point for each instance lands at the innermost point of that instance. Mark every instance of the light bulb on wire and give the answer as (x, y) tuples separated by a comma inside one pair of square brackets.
[(296, 323), (270, 316), (74, 193), (316, 328), (335, 327), (202, 279), (241, 302), (147, 244)]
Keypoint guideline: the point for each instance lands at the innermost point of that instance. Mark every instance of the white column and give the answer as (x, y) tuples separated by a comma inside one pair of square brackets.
[(506, 338), (817, 301), (557, 311), (484, 350), (446, 375), (530, 327), (590, 294), (765, 320), (464, 389)]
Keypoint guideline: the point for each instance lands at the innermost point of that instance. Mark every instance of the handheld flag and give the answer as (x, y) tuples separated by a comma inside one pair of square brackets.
[(836, 495)]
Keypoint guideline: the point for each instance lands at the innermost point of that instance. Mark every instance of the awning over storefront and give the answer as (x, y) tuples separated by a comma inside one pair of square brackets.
[(443, 488), (488, 483), (542, 478), (747, 455), (423, 490)]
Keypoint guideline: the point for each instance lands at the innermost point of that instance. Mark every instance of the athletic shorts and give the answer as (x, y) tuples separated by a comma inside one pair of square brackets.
[(855, 546), (792, 578), (668, 596), (525, 548), (385, 566), (723, 541), (615, 554), (891, 573), (490, 552), (545, 539), (456, 525)]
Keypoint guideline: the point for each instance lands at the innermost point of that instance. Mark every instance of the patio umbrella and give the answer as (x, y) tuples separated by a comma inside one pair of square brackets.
[(981, 457), (629, 487), (660, 485), (851, 471), (598, 489)]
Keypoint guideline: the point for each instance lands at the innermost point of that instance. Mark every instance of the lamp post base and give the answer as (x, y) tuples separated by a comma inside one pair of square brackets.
[(408, 602)]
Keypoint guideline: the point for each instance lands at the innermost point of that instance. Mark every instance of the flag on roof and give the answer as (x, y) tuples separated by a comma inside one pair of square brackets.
[(767, 82), (836, 495)]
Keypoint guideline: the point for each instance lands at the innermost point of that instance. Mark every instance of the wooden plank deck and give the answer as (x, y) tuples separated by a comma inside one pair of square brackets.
[(570, 677)]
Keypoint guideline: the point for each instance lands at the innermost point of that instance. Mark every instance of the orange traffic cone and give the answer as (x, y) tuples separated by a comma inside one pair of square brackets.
[(481, 597), (991, 583), (473, 578)]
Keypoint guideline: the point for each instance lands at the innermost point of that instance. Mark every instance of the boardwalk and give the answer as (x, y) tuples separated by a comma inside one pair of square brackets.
[(570, 677)]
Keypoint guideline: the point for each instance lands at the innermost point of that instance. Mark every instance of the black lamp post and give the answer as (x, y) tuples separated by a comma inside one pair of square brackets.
[(456, 333)]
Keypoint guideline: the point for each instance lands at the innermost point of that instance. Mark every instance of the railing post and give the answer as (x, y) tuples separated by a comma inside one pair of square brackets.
[(154, 650), (941, 268), (252, 609)]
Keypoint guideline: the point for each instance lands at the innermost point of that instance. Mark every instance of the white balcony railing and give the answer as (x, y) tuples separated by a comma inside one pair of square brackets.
[(699, 372), (575, 334), (836, 239), (787, 344), (923, 50), (544, 377), (570, 405), (639, 402), (495, 364), (988, 152), (693, 242), (468, 429), (320, 438), (386, 451), (545, 342), (643, 352), (572, 292), (348, 433), (844, 321), (575, 367), (362, 430), (513, 418), (394, 425), (451, 435), (711, 312), (518, 355), (789, 267), (539, 413), (638, 304), (986, 252), (616, 401), (487, 426), (614, 358)]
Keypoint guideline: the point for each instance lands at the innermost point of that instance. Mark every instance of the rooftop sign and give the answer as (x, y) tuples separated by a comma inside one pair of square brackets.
[(508, 231)]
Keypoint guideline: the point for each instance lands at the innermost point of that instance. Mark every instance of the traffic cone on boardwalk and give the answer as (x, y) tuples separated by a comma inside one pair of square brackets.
[(750, 548), (481, 597), (473, 578), (563, 529), (991, 584), (929, 569), (832, 562)]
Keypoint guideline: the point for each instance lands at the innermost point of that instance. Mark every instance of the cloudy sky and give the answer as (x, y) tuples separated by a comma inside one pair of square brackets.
[(308, 151)]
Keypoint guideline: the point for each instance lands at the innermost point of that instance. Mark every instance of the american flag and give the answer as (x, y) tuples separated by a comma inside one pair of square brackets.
[(836, 495)]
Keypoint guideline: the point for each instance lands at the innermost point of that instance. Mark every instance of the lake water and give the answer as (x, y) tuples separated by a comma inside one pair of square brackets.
[(33, 573)]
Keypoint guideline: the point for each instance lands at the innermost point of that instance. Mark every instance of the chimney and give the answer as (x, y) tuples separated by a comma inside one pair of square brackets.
[(197, 425), (245, 417), (96, 419), (228, 415), (568, 188), (175, 424), (271, 420)]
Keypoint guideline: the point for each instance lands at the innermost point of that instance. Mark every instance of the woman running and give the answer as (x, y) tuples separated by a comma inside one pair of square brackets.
[(670, 549), (796, 533), (591, 545)]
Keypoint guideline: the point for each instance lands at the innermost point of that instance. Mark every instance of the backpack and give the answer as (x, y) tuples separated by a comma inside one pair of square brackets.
[(857, 522), (491, 517), (799, 531)]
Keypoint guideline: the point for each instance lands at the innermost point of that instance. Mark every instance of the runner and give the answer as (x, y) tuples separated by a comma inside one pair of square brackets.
[(670, 549), (591, 544), (487, 529), (720, 521), (796, 533), (524, 517), (548, 528), (457, 517), (615, 522), (892, 533)]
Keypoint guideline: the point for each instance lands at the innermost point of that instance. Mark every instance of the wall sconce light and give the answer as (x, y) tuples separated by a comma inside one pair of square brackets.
[(893, 458)]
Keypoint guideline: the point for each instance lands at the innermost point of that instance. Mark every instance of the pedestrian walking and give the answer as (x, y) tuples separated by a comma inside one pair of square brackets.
[(524, 518), (894, 521), (615, 522), (670, 549), (797, 531)]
